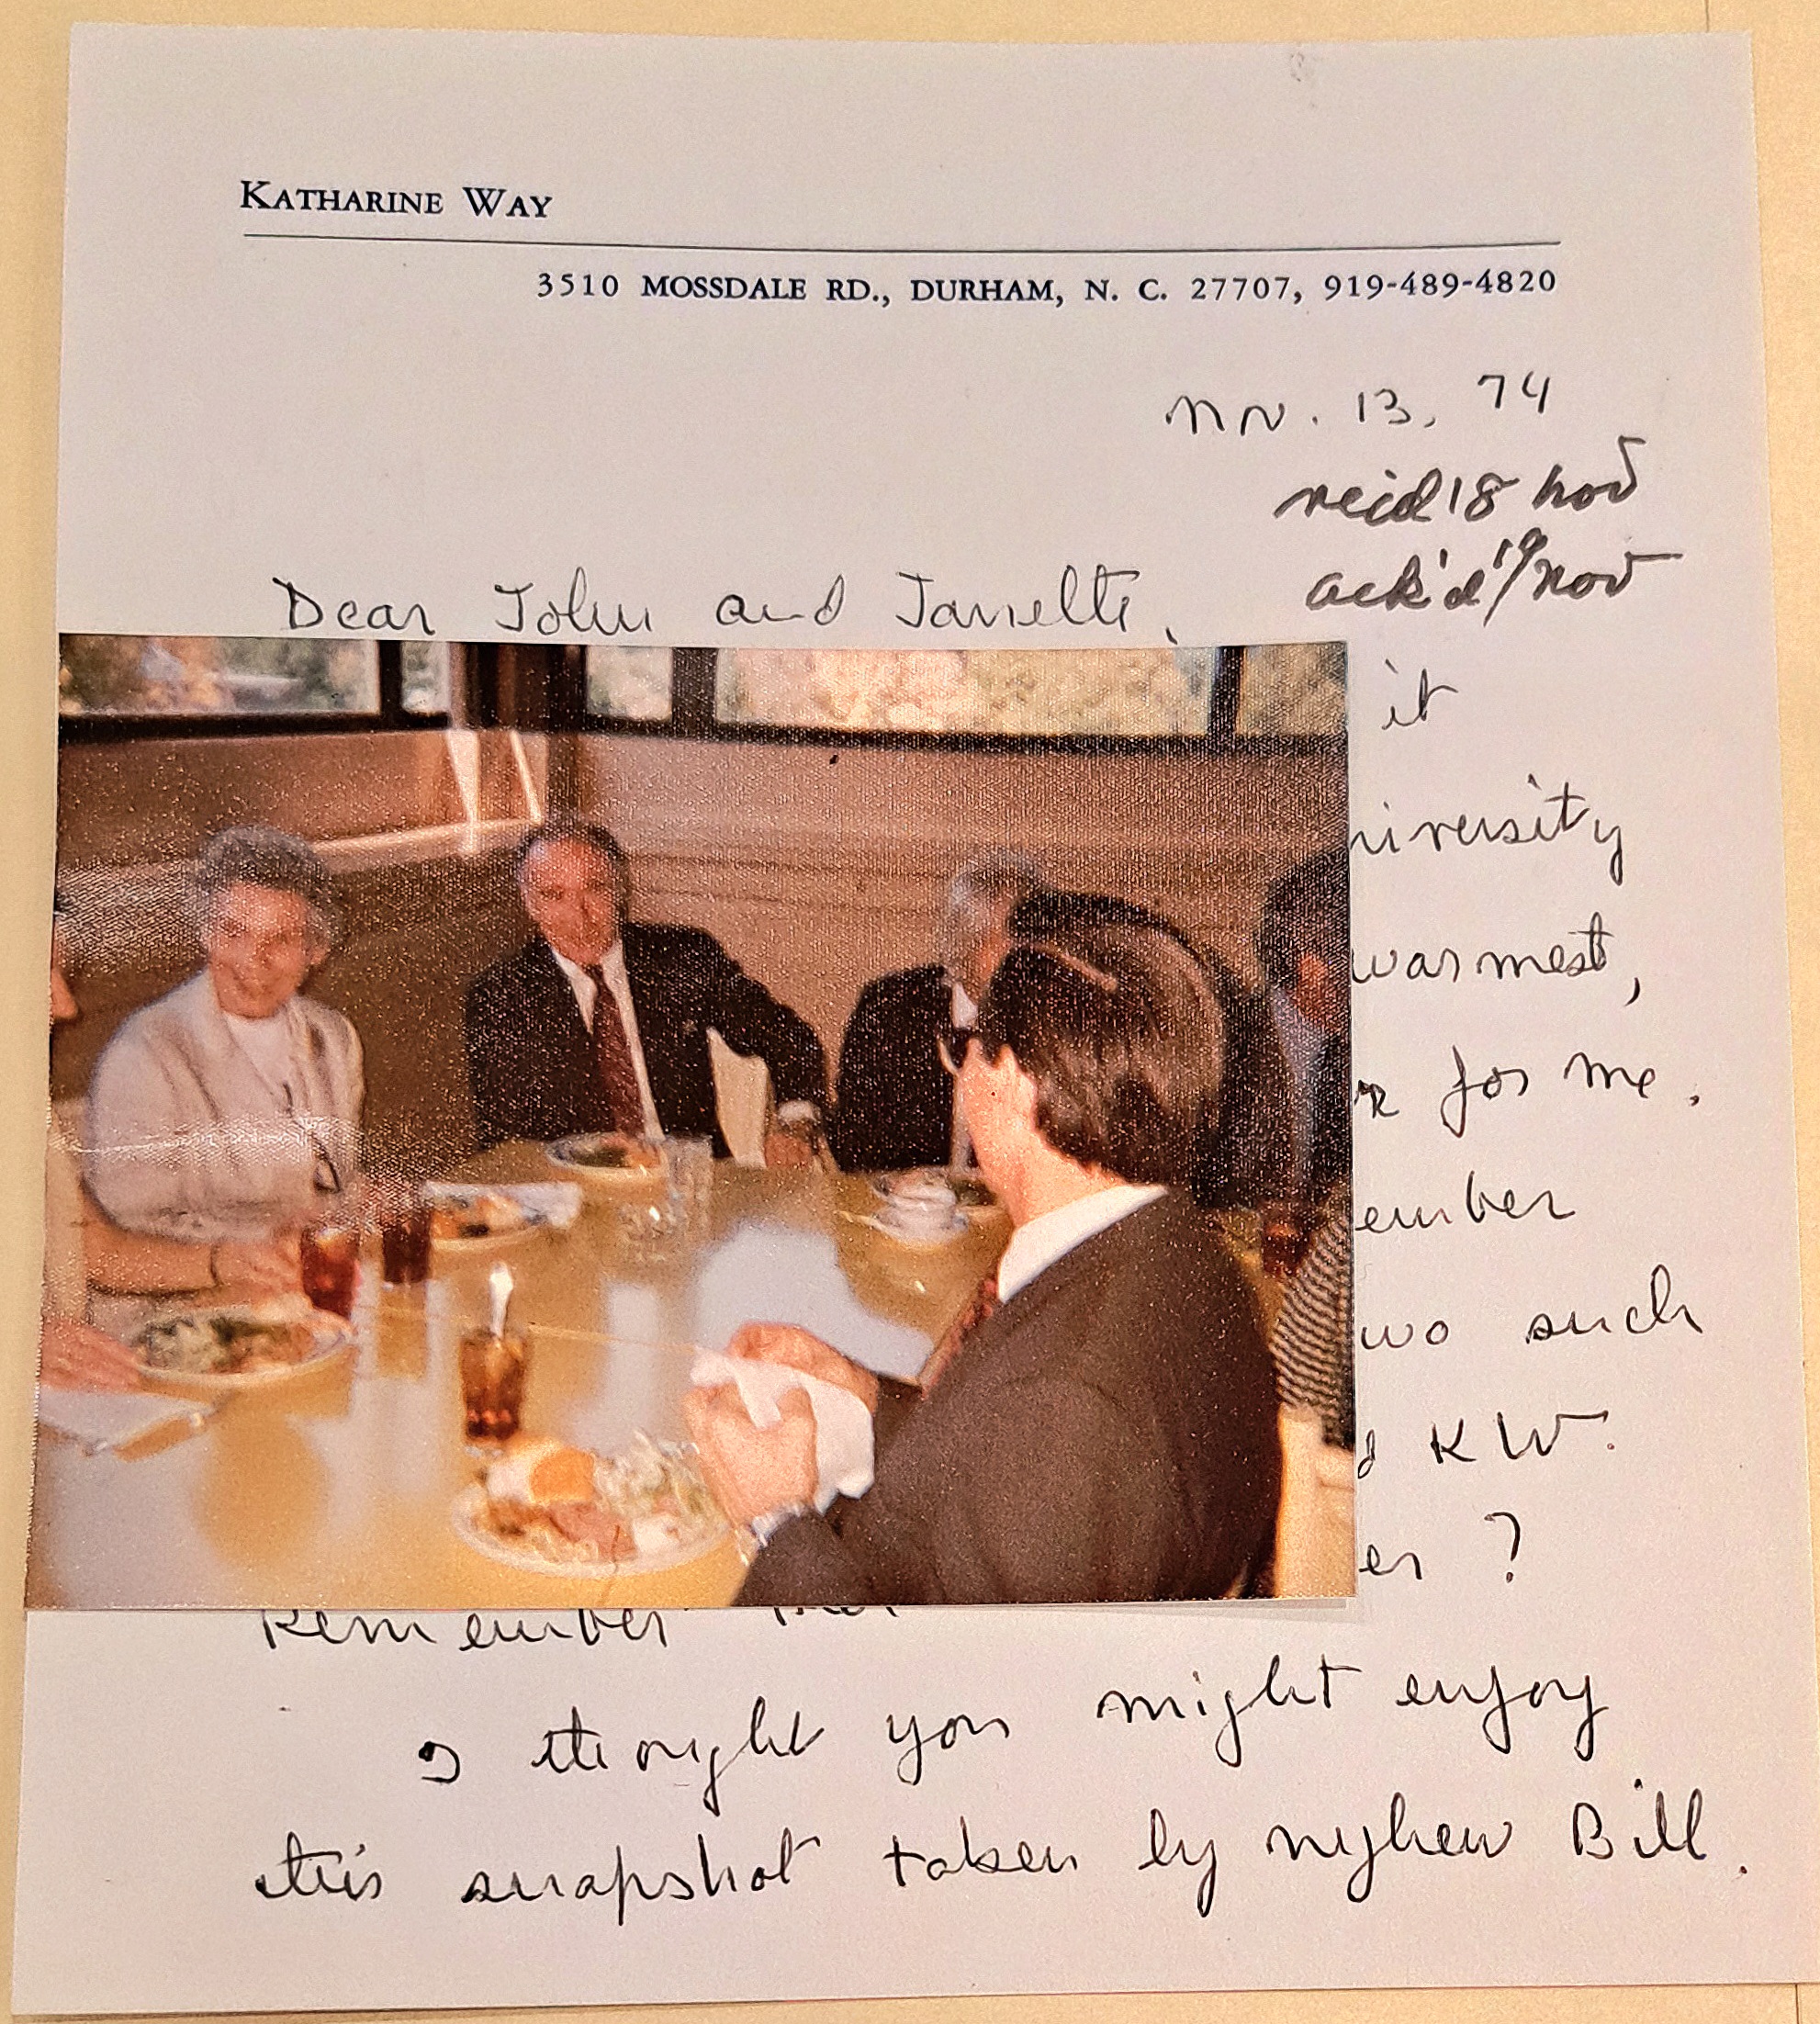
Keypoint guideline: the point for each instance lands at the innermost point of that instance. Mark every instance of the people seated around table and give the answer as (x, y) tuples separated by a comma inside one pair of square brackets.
[(1099, 1424), (600, 1024), (229, 1111), (83, 1250), (895, 1104), (1286, 1135)]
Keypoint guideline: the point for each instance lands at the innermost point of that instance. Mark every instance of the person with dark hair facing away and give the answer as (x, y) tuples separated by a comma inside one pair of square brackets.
[(599, 1024), (1232, 1156), (895, 1103), (1098, 1423)]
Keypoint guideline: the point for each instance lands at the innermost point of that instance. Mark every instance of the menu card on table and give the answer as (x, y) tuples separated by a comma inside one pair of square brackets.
[(1243, 360)]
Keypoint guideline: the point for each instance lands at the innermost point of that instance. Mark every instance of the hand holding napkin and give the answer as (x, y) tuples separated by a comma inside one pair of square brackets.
[(843, 1426)]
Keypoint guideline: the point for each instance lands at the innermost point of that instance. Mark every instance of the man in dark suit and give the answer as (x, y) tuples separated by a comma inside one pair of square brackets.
[(1285, 1130), (598, 1024), (894, 1104), (1106, 1432)]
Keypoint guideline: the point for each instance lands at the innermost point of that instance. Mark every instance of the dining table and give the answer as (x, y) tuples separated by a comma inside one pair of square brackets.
[(337, 1487)]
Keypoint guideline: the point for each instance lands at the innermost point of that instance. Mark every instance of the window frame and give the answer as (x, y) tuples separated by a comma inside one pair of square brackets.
[(106, 726), (562, 707), (692, 717)]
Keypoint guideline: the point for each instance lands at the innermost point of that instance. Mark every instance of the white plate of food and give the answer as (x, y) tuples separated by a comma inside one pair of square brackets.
[(607, 1159), (207, 1350), (547, 1508), (480, 1219)]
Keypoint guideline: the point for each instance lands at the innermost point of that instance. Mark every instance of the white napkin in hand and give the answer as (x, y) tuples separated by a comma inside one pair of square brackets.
[(843, 1426)]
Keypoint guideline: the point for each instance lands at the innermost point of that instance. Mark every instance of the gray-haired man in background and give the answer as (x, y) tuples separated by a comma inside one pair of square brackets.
[(895, 1103)]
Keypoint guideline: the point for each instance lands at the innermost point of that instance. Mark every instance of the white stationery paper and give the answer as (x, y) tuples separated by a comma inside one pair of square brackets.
[(1453, 352)]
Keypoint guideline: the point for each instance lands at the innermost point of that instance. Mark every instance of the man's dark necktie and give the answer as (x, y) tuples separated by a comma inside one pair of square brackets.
[(981, 1303), (612, 1060), (1329, 1118)]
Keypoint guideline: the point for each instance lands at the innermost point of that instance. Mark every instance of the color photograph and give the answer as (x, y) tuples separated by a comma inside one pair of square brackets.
[(565, 1127)]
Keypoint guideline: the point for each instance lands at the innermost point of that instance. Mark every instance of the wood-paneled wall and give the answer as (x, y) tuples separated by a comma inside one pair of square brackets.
[(817, 867), (820, 868)]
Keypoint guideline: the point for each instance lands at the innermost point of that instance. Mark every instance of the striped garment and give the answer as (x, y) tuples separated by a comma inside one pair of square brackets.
[(1312, 1342)]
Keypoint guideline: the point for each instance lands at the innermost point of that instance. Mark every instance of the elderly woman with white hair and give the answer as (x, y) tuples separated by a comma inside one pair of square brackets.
[(229, 1109), (86, 1255)]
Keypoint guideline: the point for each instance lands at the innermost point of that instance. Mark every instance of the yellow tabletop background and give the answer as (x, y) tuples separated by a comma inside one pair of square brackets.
[(33, 55), (353, 1513)]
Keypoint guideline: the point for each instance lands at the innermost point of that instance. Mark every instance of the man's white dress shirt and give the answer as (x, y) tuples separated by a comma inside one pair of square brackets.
[(965, 1014), (613, 968), (1303, 1044), (1040, 1243)]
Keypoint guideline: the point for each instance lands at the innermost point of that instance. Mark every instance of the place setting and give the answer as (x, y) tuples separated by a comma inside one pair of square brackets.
[(927, 1208), (543, 1505)]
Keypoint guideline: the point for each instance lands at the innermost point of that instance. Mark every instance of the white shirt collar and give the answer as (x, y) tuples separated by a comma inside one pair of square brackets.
[(269, 1044), (613, 968), (960, 1007), (619, 988), (1040, 1243), (1303, 1043)]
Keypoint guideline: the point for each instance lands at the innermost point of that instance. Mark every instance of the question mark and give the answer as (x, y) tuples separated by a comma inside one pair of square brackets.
[(1516, 1537)]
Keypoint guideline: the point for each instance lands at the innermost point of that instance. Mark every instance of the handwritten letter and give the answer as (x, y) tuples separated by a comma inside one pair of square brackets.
[(1449, 353)]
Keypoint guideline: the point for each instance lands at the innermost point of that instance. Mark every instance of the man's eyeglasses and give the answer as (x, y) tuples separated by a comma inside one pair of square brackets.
[(951, 1044)]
